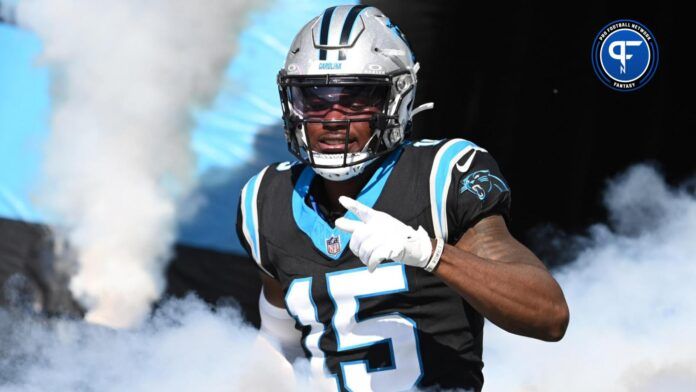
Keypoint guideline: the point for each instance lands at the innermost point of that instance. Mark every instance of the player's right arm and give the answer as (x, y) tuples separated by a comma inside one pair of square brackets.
[(277, 326), (268, 352), (272, 290)]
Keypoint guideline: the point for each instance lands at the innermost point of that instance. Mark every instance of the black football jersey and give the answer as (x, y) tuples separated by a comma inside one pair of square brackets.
[(396, 328)]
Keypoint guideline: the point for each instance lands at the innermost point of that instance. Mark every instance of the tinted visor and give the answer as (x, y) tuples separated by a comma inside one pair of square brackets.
[(317, 101)]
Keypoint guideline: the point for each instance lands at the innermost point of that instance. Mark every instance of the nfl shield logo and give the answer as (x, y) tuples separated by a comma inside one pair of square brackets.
[(333, 245)]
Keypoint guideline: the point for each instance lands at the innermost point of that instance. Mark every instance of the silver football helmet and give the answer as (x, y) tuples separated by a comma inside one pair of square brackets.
[(355, 57)]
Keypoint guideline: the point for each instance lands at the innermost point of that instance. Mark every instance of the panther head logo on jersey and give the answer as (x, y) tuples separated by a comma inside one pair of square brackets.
[(481, 183)]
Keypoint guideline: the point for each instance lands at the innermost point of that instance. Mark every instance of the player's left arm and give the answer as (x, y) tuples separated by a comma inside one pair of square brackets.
[(487, 266), (504, 281)]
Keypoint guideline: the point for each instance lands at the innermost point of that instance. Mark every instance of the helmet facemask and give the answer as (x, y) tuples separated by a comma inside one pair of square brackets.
[(375, 99)]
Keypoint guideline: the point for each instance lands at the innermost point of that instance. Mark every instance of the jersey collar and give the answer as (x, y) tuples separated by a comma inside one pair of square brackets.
[(332, 242)]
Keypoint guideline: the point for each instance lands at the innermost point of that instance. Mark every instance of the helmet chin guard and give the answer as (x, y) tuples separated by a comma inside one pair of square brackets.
[(353, 57), (340, 172)]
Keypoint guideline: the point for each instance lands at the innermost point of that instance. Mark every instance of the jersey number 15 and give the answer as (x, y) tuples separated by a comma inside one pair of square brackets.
[(346, 288)]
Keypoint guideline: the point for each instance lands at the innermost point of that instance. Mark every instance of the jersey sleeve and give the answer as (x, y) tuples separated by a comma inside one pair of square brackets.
[(473, 187), (249, 224)]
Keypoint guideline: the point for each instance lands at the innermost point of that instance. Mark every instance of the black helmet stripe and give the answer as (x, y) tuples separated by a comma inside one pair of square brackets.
[(324, 33), (348, 27)]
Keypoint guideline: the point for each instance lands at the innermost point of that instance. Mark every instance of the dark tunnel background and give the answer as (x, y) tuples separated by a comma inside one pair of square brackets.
[(518, 81)]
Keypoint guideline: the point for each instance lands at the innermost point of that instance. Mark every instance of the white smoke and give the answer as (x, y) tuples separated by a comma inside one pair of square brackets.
[(632, 299), (126, 76), (185, 346)]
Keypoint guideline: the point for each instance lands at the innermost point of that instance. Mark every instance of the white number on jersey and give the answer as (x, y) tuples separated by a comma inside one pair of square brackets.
[(398, 331)]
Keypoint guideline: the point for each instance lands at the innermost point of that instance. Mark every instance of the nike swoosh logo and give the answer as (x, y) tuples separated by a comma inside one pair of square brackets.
[(465, 168)]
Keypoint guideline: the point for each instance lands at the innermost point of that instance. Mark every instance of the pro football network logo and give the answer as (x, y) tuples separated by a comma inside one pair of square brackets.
[(333, 245), (625, 55)]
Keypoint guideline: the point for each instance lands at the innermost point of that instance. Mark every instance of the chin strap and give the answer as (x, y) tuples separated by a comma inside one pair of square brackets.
[(421, 108)]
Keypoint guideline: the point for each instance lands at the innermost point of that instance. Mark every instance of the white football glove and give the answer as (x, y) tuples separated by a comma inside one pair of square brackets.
[(378, 236)]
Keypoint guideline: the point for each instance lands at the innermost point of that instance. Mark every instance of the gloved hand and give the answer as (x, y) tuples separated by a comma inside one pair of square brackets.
[(378, 236)]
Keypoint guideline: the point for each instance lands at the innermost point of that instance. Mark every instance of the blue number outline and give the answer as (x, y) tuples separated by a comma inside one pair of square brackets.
[(316, 319), (387, 340), (297, 319)]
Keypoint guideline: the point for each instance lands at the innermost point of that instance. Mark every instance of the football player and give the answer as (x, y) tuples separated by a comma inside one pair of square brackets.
[(380, 256)]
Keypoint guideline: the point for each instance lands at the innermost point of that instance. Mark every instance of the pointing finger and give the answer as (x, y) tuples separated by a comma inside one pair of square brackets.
[(348, 225), (360, 210)]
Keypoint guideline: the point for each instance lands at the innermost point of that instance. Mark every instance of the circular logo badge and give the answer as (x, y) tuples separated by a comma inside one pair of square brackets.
[(625, 55)]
